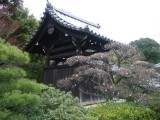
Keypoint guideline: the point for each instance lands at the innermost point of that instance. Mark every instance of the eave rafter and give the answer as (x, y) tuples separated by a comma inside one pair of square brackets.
[(54, 50), (62, 55)]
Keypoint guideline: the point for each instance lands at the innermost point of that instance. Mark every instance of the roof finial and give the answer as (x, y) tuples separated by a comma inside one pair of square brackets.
[(49, 5)]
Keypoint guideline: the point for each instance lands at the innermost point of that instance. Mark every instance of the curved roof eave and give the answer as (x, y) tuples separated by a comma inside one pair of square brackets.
[(54, 13)]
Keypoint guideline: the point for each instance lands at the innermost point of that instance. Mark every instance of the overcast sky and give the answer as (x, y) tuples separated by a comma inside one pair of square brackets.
[(120, 20)]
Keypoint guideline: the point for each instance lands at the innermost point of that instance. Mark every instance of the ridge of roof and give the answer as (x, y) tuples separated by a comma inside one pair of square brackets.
[(53, 12), (49, 5)]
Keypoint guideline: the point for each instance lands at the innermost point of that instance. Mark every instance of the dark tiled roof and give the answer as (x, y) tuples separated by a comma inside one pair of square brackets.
[(69, 21), (72, 22)]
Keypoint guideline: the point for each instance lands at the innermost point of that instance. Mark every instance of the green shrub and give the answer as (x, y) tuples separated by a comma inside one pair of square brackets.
[(57, 105), (11, 73), (28, 86), (17, 117), (12, 55), (152, 102), (4, 114), (18, 99), (22, 84), (122, 111)]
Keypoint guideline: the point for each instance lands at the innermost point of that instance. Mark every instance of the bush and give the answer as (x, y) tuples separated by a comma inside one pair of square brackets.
[(12, 55), (4, 114), (58, 105), (49, 104), (11, 73), (153, 102), (34, 67), (18, 100), (122, 111)]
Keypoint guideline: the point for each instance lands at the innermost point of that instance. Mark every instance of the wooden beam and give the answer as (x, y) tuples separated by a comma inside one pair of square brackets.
[(61, 48), (58, 42), (62, 55), (47, 61)]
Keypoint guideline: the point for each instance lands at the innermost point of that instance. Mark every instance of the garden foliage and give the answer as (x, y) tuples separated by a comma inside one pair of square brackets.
[(149, 47), (122, 111), (25, 99)]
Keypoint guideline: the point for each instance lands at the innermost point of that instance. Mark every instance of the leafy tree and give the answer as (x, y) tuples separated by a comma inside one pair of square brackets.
[(149, 47), (11, 7), (8, 26), (16, 92), (139, 85), (131, 80), (17, 25), (123, 54), (138, 81), (28, 24), (98, 69), (92, 70)]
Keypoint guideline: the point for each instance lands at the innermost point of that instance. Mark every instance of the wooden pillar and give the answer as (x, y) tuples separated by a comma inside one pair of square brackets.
[(79, 50), (80, 94), (47, 60)]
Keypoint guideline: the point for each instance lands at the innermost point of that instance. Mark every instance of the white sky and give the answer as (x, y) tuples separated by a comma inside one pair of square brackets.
[(120, 20)]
